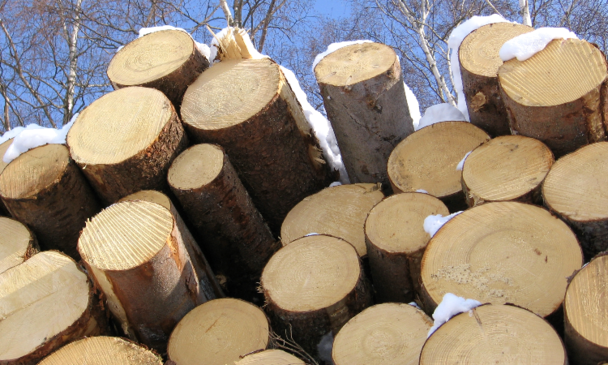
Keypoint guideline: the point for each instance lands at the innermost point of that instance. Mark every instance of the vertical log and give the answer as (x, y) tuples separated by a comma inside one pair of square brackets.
[(17, 243)]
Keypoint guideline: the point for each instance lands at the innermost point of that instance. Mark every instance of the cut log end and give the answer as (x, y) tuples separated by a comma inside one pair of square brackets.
[(17, 243), (196, 167), (270, 357)]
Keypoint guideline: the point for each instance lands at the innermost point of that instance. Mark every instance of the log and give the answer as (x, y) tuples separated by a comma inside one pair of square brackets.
[(364, 96), (45, 190), (3, 147), (247, 107), (506, 252), (574, 190), (17, 243), (270, 357), (339, 211), (125, 142), (219, 332), (233, 232), (479, 63), (563, 108), (585, 314), (207, 281), (103, 350), (395, 240), (506, 168), (313, 286), (45, 303), (167, 60), (494, 334), (427, 160), (385, 334), (135, 253)]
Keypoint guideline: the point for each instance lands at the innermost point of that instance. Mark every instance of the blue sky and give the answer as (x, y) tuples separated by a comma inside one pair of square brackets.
[(332, 8)]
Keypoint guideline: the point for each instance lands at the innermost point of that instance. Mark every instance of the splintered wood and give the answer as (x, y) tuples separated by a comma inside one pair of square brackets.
[(17, 243)]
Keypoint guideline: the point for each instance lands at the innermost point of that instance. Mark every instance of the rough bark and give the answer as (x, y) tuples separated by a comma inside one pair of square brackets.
[(17, 243), (3, 147)]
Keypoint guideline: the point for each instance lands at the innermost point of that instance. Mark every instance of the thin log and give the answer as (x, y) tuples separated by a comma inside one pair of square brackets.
[(17, 243)]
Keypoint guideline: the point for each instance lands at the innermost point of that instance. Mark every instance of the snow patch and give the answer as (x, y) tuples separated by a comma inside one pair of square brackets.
[(450, 306), (414, 304), (334, 47), (440, 113), (335, 183), (412, 104), (460, 165), (422, 191), (527, 45), (325, 346), (434, 222)]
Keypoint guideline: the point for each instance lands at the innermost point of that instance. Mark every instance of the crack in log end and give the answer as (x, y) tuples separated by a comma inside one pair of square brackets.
[(478, 101)]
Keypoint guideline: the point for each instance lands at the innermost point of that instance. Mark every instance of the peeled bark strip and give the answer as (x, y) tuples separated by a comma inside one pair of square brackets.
[(270, 357), (17, 243), (44, 189), (395, 240), (3, 147), (103, 350), (247, 107), (219, 332), (45, 303), (586, 314), (479, 63), (234, 234), (558, 95), (125, 141), (494, 334), (338, 211), (312, 287), (506, 168), (135, 253), (364, 97), (427, 160), (498, 253), (166, 60)]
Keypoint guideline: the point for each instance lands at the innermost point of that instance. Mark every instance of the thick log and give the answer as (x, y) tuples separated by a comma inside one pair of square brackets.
[(247, 107), (564, 108), (17, 243), (45, 190), (395, 240), (364, 96), (219, 332), (125, 142), (233, 232), (270, 357), (506, 168), (479, 63)]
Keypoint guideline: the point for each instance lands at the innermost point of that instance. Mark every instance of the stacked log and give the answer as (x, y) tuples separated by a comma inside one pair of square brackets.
[(3, 147), (364, 96), (17, 243), (270, 357)]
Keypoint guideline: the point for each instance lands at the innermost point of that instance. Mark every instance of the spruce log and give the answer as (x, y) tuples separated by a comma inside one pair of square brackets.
[(385, 334), (479, 63), (395, 240), (313, 286), (494, 334), (219, 332), (506, 168), (247, 107), (167, 60), (506, 252), (17, 243), (575, 190), (45, 190), (45, 303), (558, 96), (427, 160), (586, 314), (136, 255), (125, 142), (364, 96), (233, 232), (338, 211), (3, 147), (270, 357), (103, 351)]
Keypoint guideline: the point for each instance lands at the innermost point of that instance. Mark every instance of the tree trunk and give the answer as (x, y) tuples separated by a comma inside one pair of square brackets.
[(247, 107), (233, 232), (506, 168), (427, 160), (3, 147), (224, 329), (396, 240), (390, 333), (270, 357), (558, 96), (17, 243), (47, 303), (135, 252), (312, 287), (44, 189), (166, 60), (125, 141), (479, 63), (363, 94)]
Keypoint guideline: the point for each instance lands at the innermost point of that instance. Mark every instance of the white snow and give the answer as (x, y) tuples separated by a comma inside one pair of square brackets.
[(450, 306), (527, 45), (325, 346), (434, 222), (312, 234), (334, 47), (422, 191), (440, 113), (460, 165), (203, 48), (412, 104), (335, 183), (414, 304), (456, 38)]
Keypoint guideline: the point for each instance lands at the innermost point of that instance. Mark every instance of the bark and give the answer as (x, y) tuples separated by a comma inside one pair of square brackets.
[(392, 274)]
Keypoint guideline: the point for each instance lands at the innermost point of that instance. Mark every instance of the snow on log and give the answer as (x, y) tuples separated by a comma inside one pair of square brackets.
[(270, 357), (17, 243)]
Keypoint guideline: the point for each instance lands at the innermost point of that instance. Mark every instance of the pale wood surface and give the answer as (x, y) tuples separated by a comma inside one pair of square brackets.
[(270, 357), (17, 243)]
